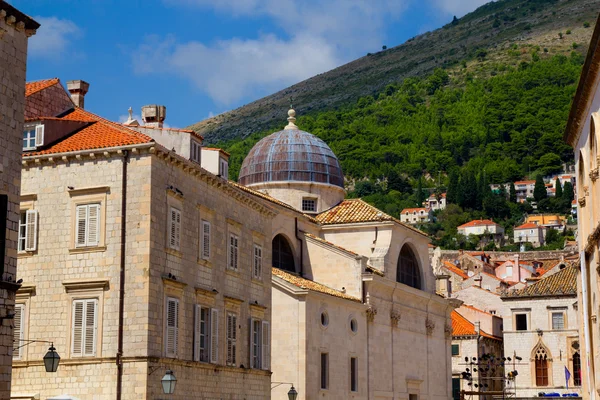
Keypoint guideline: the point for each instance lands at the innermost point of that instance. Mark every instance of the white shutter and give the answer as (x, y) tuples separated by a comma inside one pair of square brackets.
[(257, 261), (234, 338), (231, 338), (251, 343), (266, 346), (31, 230), (172, 327), (77, 329), (214, 336), (39, 135), (93, 228), (18, 330), (197, 332), (81, 221), (205, 240), (91, 315)]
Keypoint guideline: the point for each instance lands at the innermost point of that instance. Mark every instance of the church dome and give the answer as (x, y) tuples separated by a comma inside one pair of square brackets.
[(291, 155)]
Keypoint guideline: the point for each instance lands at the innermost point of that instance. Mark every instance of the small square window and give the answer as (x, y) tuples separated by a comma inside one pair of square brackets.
[(29, 139), (309, 205), (521, 322), (195, 151), (455, 350), (558, 320)]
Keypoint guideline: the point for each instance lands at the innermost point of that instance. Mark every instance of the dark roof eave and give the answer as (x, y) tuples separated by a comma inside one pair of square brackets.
[(29, 22)]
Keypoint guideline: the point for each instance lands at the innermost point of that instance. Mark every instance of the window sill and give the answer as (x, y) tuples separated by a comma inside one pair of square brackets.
[(26, 254), (173, 252), (204, 261), (256, 280), (94, 249), (232, 272)]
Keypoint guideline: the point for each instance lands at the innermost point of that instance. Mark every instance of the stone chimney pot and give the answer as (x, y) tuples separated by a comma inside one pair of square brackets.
[(154, 115), (78, 89)]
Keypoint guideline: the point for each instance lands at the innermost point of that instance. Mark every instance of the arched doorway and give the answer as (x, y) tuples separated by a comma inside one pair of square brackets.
[(283, 256), (408, 271)]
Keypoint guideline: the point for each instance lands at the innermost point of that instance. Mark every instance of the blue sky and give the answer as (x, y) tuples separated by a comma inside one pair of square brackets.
[(204, 57)]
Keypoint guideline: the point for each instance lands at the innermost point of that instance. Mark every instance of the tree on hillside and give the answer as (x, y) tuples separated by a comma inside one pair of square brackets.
[(539, 190), (568, 193), (398, 183), (420, 194), (452, 192), (559, 190), (512, 196)]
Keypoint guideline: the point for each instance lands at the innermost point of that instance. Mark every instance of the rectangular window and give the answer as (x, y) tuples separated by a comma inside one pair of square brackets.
[(84, 328), (257, 270), (521, 322), (195, 152), (174, 228), (233, 252), (202, 334), (87, 225), (413, 397), (455, 388), (223, 168), (309, 205), (255, 344), (353, 374), (172, 327), (558, 320), (455, 350), (324, 370), (19, 328), (33, 137), (231, 338), (205, 240), (28, 231)]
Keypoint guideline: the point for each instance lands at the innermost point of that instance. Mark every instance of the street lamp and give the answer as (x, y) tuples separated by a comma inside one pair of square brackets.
[(51, 359), (292, 394), (168, 382)]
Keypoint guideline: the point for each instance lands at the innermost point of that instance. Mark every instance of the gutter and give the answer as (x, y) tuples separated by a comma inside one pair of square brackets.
[(93, 151), (122, 275)]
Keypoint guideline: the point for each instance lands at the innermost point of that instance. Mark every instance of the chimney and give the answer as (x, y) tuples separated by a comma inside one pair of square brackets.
[(518, 267), (154, 115), (477, 327), (78, 89)]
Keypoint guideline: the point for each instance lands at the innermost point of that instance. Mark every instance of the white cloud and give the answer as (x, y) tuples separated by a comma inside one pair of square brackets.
[(318, 36), (458, 7), (53, 38)]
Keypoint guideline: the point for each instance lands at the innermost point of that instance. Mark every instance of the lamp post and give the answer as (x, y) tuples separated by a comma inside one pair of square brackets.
[(51, 359), (292, 393), (168, 382)]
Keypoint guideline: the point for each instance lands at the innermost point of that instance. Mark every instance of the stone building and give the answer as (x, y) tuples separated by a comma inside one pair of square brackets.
[(15, 29), (582, 134), (542, 329), (135, 261), (355, 313)]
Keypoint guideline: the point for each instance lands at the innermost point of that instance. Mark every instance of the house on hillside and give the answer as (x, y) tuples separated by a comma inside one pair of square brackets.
[(524, 190), (416, 215), (549, 221), (530, 233), (542, 329), (433, 203), (487, 229), (482, 299)]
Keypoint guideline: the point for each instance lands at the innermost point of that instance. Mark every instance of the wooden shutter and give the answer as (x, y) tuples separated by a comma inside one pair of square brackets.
[(205, 240), (31, 230), (231, 338), (175, 229), (252, 350), (18, 330), (93, 228), (172, 327), (214, 336), (257, 261), (81, 219), (89, 347), (39, 135), (77, 330), (197, 331), (266, 346)]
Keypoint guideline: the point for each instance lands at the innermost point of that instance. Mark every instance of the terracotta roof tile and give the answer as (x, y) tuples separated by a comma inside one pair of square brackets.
[(524, 182), (100, 134), (356, 211), (463, 327), (528, 225), (478, 222), (453, 268), (413, 209), (36, 86), (303, 283), (562, 283)]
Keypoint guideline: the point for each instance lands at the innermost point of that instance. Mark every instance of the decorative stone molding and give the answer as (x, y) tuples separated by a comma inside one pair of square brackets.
[(395, 317), (581, 201), (429, 326), (371, 313), (448, 330), (594, 174), (594, 319), (586, 191)]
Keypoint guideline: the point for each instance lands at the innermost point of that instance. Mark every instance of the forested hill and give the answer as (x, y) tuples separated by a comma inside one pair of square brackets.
[(495, 26)]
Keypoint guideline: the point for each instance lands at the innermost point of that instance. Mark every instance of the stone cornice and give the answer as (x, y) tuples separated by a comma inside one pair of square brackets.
[(592, 241), (16, 18), (84, 285)]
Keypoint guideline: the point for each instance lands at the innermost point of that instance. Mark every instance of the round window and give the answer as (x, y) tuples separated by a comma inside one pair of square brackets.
[(353, 325), (324, 318)]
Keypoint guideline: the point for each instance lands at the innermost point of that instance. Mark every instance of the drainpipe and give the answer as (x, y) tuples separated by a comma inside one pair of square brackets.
[(364, 300), (586, 318), (301, 271), (122, 275)]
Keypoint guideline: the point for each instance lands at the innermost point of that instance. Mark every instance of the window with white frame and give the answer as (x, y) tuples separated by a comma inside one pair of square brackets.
[(174, 228), (309, 205), (558, 320), (257, 267), (28, 231), (171, 327), (231, 339), (206, 334), (205, 240), (195, 151), (233, 252), (87, 219), (84, 327), (33, 136), (18, 331), (260, 346)]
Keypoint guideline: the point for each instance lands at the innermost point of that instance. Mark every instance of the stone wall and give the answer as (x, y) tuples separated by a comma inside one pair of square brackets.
[(15, 28)]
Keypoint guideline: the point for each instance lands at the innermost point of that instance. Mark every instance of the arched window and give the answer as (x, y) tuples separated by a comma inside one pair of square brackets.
[(541, 367), (408, 271), (580, 176), (283, 256), (576, 369)]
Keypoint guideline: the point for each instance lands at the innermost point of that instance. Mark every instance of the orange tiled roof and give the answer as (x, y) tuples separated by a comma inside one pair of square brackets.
[(453, 268), (303, 283), (36, 86), (99, 134), (524, 182), (357, 211), (528, 225), (478, 222), (562, 283), (463, 327)]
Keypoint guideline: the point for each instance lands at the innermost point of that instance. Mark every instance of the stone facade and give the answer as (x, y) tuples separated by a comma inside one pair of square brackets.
[(15, 28)]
